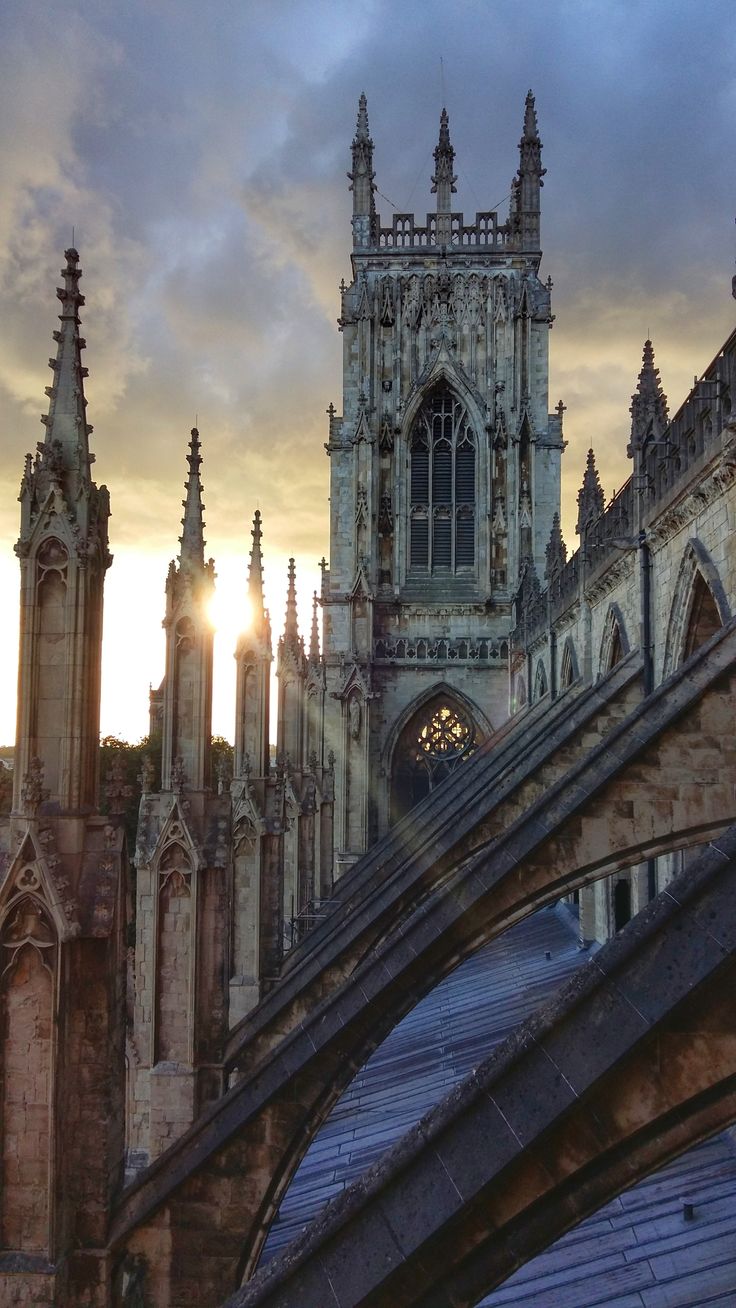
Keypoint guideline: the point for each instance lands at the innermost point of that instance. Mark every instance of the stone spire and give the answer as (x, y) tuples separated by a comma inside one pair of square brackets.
[(191, 541), (649, 416), (63, 535), (556, 551), (314, 635), (591, 501), (291, 672), (361, 181), (255, 573), (253, 657), (531, 172), (444, 178), (187, 684), (65, 449), (291, 639)]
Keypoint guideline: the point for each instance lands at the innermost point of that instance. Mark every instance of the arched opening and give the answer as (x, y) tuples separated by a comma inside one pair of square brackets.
[(520, 695), (442, 481), (617, 650), (540, 682), (621, 904), (614, 646), (699, 606), (568, 669), (704, 618), (436, 740)]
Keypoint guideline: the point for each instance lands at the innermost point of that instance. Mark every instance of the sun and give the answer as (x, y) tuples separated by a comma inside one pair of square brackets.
[(230, 610)]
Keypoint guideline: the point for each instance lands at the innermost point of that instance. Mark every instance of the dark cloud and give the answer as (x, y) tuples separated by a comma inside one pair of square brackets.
[(202, 155)]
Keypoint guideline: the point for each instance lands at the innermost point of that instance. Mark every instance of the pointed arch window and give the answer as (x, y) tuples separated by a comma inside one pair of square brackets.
[(442, 480), (704, 618), (440, 737)]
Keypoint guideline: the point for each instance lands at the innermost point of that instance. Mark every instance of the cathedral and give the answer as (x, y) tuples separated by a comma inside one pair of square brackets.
[(448, 610)]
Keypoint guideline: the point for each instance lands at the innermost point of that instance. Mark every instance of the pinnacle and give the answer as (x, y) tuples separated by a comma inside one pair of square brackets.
[(67, 429), (314, 637), (191, 540), (362, 132), (443, 179), (531, 130), (255, 571), (556, 551), (649, 381), (591, 500), (291, 625), (649, 414)]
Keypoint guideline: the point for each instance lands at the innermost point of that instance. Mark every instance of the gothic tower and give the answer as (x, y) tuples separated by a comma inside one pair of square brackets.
[(63, 557), (445, 479), (183, 888), (62, 877)]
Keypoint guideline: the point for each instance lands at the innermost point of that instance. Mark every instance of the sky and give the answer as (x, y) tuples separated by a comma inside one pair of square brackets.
[(199, 153)]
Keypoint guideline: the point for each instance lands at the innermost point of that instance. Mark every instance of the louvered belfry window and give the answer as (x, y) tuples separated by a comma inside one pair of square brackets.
[(442, 487)]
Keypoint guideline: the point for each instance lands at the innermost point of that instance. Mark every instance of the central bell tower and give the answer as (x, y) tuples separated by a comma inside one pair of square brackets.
[(445, 479)]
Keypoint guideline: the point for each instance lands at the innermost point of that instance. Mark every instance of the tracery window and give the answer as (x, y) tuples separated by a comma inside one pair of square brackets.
[(432, 745), (442, 479)]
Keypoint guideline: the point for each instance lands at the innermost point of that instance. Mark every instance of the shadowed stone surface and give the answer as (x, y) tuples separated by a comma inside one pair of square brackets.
[(636, 1252)]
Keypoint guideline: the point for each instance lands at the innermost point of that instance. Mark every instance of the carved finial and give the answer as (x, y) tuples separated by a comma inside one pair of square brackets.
[(178, 776), (290, 641), (191, 554), (314, 635), (67, 429), (531, 130), (649, 415), (524, 210), (117, 791), (361, 128), (32, 792), (325, 582), (443, 178), (556, 552), (361, 181), (291, 625), (331, 760), (591, 500), (255, 572)]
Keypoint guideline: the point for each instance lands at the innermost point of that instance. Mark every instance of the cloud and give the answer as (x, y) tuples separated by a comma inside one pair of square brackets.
[(202, 157)]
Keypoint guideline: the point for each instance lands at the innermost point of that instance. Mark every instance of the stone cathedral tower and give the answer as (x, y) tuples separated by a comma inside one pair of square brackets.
[(62, 876), (445, 479)]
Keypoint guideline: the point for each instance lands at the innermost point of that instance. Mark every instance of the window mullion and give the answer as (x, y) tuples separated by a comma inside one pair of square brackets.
[(430, 505), (453, 507)]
